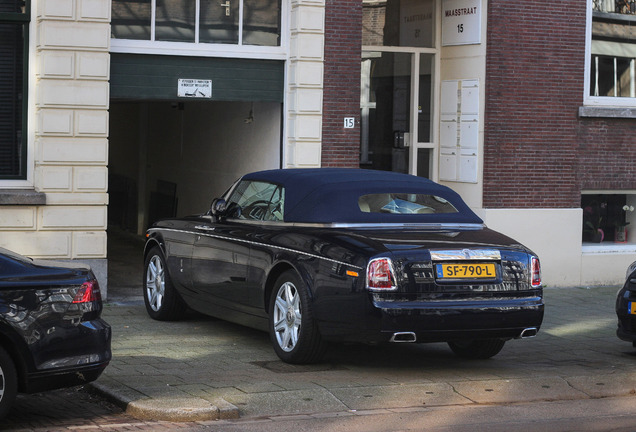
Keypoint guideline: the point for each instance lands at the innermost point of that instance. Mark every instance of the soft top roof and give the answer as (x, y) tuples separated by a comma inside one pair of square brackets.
[(330, 195)]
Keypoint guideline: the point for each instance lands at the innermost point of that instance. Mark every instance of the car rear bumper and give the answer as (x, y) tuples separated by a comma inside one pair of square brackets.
[(442, 321), (79, 357), (60, 378)]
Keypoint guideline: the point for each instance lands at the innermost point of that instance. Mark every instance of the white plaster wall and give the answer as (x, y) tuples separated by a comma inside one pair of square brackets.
[(553, 234), (603, 265), (465, 62)]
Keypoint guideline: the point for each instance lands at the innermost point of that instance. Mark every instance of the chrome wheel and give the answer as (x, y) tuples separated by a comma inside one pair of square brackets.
[(162, 300), (155, 283), (287, 316), (292, 327)]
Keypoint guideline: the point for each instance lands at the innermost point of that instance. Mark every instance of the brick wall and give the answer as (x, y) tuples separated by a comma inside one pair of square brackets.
[(607, 154), (341, 94), (537, 151)]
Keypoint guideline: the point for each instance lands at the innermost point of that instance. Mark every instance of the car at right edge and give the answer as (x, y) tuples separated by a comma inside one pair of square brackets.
[(626, 307)]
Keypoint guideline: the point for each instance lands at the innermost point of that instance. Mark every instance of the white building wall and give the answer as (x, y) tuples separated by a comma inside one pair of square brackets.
[(303, 118), (71, 69), (553, 234)]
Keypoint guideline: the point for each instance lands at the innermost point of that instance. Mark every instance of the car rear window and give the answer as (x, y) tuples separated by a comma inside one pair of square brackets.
[(404, 203)]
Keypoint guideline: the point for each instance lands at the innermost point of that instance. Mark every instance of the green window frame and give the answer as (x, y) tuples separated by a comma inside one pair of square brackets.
[(15, 17)]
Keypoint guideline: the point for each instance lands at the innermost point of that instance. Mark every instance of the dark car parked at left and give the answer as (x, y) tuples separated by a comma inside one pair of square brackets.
[(626, 307), (51, 331)]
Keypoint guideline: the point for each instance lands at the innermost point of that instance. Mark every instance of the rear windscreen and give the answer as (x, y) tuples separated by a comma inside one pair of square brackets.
[(404, 203)]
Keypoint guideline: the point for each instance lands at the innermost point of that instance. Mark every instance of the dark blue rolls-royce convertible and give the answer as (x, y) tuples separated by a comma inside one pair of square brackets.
[(333, 255)]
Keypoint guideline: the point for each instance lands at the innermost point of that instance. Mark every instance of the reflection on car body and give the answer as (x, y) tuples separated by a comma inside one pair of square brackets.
[(51, 331), (330, 255)]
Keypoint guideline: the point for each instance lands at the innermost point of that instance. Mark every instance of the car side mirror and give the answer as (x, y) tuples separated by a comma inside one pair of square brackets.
[(218, 207), (221, 209)]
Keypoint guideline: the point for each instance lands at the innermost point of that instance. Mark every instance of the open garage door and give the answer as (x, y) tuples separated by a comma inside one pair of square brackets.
[(171, 155)]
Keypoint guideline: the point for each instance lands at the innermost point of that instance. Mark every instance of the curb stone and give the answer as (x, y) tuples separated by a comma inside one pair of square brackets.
[(172, 409)]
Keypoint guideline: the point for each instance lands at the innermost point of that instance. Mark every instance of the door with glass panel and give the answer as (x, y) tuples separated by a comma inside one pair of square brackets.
[(398, 83)]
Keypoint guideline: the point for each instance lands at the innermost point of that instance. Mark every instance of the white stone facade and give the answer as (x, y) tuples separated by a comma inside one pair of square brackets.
[(304, 85), (69, 87)]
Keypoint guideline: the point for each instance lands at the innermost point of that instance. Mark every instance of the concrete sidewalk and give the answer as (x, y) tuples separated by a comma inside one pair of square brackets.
[(202, 368)]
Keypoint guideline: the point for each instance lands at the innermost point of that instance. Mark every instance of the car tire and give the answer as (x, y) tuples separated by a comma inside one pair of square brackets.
[(477, 349), (292, 328), (162, 301), (8, 382)]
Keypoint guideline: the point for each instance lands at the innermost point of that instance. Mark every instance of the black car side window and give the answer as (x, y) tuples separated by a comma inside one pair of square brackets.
[(258, 201)]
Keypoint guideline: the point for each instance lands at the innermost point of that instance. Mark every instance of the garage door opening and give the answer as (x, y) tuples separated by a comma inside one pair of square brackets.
[(172, 158)]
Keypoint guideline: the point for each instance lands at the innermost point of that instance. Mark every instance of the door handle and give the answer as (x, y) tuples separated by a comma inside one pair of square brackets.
[(204, 228), (227, 6)]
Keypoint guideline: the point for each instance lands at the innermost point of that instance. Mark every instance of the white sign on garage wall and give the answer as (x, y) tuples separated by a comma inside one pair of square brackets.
[(194, 88), (461, 22)]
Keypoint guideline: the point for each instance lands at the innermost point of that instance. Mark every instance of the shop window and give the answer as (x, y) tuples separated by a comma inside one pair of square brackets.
[(609, 218), (14, 23), (613, 49), (199, 21)]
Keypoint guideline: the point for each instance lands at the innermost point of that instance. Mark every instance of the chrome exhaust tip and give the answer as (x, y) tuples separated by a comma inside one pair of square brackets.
[(530, 332), (403, 337)]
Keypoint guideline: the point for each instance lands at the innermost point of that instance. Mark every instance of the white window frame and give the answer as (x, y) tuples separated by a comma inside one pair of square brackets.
[(130, 46), (414, 140), (601, 101)]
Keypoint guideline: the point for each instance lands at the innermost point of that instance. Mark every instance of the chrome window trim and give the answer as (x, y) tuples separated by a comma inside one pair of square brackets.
[(337, 225)]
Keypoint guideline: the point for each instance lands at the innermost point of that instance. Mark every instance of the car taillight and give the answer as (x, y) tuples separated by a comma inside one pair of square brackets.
[(535, 272), (89, 292), (380, 275)]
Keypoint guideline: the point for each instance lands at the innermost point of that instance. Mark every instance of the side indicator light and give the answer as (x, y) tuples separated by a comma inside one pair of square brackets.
[(352, 273)]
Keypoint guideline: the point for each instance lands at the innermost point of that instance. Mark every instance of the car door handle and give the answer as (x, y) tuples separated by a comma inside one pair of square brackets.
[(204, 228)]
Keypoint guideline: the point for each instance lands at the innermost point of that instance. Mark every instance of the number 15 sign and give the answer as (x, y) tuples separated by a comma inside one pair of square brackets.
[(461, 22)]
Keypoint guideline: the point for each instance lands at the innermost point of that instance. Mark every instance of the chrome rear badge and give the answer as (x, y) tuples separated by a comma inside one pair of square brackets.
[(465, 254)]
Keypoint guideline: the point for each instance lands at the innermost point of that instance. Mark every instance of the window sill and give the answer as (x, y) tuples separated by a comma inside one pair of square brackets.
[(607, 112), (609, 248), (21, 197)]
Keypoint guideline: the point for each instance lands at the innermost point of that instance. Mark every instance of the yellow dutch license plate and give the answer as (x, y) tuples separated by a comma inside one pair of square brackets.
[(466, 271), (632, 308)]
